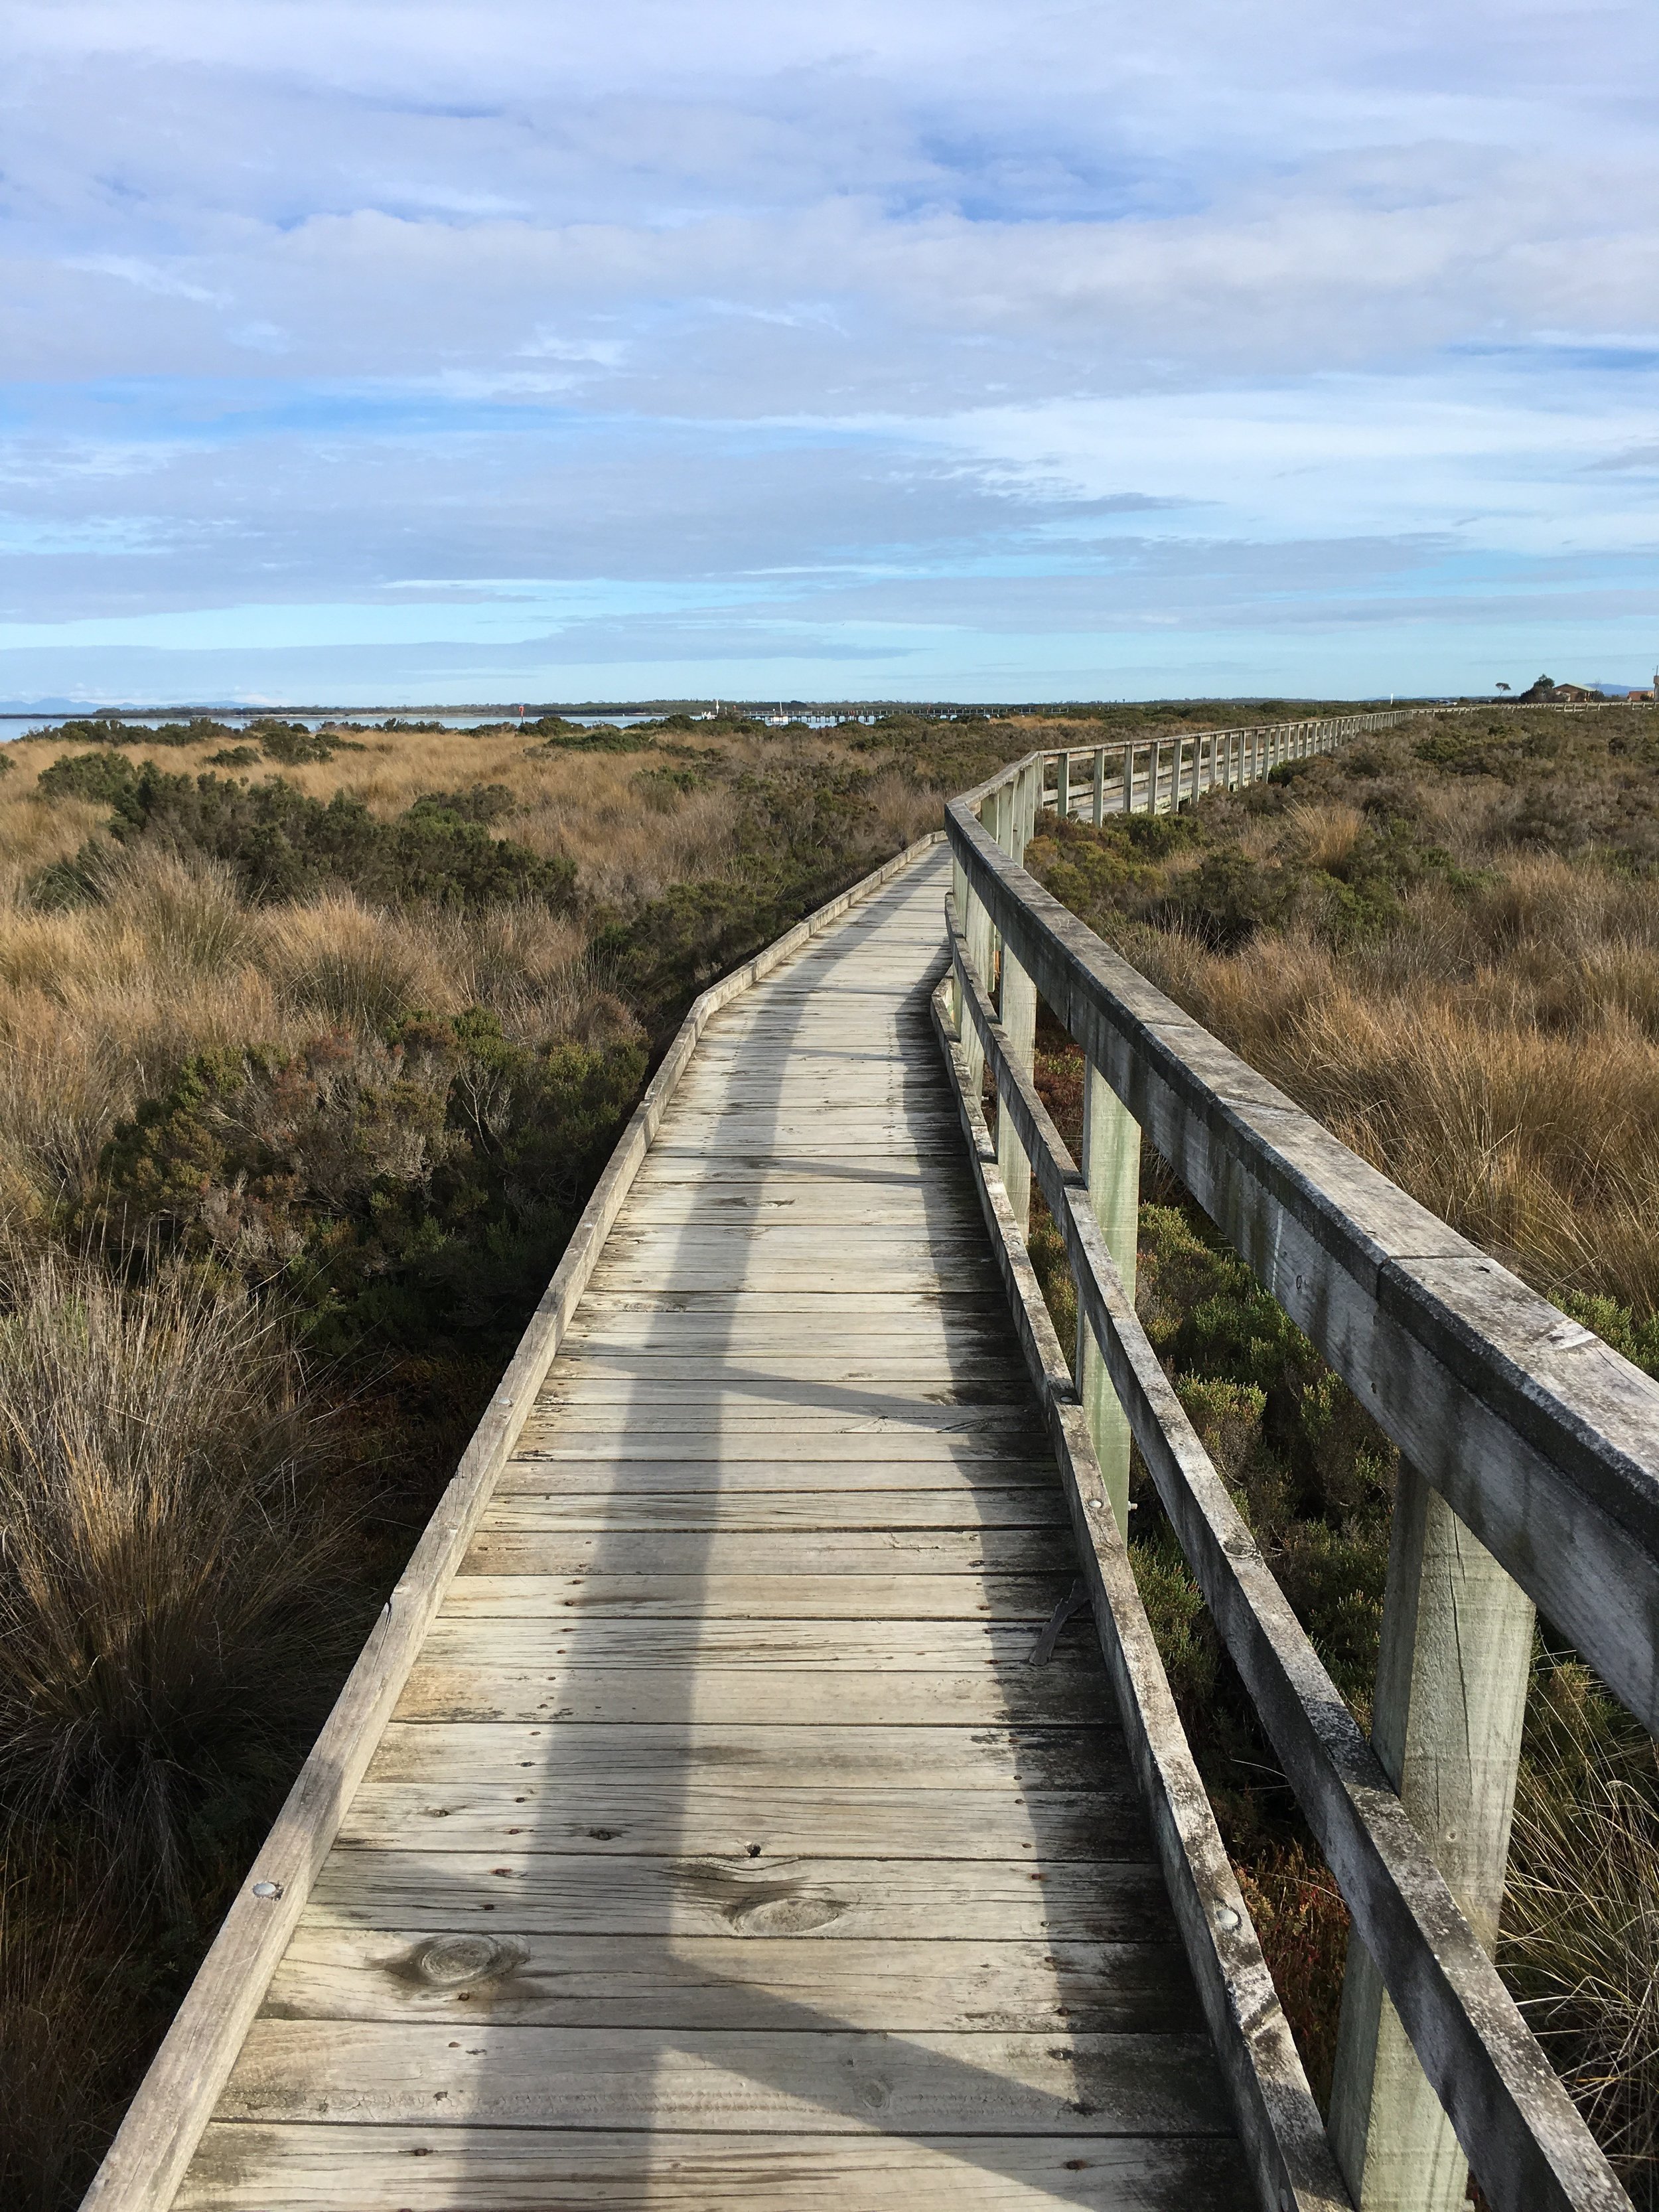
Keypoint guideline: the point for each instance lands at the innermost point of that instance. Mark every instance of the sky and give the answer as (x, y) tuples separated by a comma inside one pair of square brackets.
[(398, 354)]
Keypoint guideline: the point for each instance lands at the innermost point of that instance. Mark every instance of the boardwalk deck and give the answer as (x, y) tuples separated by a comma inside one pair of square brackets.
[(726, 1847)]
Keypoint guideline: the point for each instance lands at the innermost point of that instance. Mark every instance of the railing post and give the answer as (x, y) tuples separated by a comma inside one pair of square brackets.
[(965, 902), (1063, 788), (1111, 1168), (1128, 778), (1100, 785), (982, 949), (1016, 1012), (1451, 1695)]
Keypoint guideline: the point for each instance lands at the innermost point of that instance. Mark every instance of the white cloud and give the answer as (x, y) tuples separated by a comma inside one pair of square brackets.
[(325, 289)]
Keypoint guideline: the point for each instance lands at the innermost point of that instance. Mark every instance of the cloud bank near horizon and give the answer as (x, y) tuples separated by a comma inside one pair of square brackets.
[(881, 351)]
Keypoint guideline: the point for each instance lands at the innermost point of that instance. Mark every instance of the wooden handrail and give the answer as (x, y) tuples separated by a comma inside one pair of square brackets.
[(1504, 2100), (1540, 1438)]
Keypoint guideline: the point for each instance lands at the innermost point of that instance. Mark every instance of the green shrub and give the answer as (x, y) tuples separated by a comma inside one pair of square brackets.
[(282, 844), (475, 802), (110, 730), (103, 778), (75, 881), (293, 744), (403, 1192), (602, 738), (677, 944)]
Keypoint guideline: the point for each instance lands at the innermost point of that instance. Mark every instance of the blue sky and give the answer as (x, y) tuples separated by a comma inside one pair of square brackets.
[(889, 348)]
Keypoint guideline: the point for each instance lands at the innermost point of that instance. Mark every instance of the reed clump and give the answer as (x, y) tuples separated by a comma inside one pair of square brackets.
[(162, 1548)]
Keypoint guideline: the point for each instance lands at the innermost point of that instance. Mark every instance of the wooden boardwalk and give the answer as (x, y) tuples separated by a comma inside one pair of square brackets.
[(727, 1846)]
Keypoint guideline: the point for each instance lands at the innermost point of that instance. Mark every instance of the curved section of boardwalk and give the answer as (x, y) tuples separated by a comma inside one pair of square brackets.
[(727, 1848)]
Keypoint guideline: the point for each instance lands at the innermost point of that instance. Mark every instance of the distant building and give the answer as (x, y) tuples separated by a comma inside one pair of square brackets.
[(1543, 692)]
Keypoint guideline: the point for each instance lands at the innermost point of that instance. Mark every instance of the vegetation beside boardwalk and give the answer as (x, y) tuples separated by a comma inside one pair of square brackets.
[(1443, 940), (312, 1046)]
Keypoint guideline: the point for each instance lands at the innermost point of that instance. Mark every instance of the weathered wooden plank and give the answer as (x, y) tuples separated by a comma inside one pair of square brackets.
[(480, 1595), (941, 1553), (960, 1507), (846, 1822), (840, 1206), (380, 2074), (760, 1391), (567, 1892), (877, 1456), (665, 1347), (570, 1691), (672, 1169), (763, 1758), (839, 1327), (755, 1273), (766, 1982), (250, 2167), (728, 1232), (938, 1301), (777, 1646), (816, 1129), (812, 1420), (889, 1160)]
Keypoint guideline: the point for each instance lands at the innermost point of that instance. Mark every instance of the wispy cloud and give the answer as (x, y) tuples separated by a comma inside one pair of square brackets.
[(1097, 348)]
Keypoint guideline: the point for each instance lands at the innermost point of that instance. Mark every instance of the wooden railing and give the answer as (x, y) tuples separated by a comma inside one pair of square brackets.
[(1156, 775), (1530, 1473)]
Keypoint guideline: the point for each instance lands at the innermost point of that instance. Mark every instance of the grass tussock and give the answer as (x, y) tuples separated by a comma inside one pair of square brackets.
[(1444, 943), (163, 1550), (1581, 1934)]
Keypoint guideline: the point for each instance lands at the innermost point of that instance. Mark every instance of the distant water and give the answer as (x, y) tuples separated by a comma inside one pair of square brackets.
[(239, 717)]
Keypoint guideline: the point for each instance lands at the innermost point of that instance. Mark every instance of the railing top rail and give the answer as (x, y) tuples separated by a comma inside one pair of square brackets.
[(1544, 1440)]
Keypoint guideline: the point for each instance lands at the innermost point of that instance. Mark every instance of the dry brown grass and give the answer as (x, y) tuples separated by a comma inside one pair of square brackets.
[(170, 1575), (1325, 832), (66, 1957), (161, 1556), (1582, 1911), (585, 806), (1507, 1078), (100, 1004)]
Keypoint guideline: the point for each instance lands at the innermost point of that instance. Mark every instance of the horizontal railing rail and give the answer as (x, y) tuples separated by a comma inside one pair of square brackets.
[(1539, 1439), (1187, 766)]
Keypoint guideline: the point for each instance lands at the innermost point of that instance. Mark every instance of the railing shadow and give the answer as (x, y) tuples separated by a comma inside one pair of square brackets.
[(643, 1807)]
